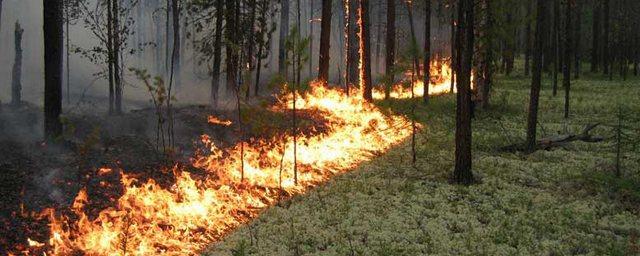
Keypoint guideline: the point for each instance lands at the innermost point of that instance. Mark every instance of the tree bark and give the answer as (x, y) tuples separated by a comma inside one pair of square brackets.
[(427, 51), (53, 48), (606, 59), (595, 41), (232, 57), (390, 46), (352, 77), (487, 58), (527, 51), (175, 55), (16, 74), (556, 45), (462, 171), (110, 57), (566, 70), (284, 32), (217, 53), (365, 51), (532, 120), (325, 42), (116, 57)]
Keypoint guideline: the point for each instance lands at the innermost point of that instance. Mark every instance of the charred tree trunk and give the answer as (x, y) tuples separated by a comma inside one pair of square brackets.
[(462, 172), (527, 51), (284, 32), (116, 57), (595, 41), (536, 79), (606, 59), (110, 57), (427, 51), (390, 44), (325, 42), (16, 74), (175, 54), (232, 58), (566, 70), (53, 47), (353, 46), (365, 51), (217, 53)]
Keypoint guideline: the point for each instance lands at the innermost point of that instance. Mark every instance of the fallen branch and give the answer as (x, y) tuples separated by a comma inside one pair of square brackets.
[(558, 141)]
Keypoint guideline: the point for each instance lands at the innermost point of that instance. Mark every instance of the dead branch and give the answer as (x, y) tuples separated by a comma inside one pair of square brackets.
[(562, 140)]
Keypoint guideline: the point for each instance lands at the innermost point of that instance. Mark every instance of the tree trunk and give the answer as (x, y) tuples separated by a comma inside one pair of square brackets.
[(536, 79), (487, 59), (217, 53), (284, 32), (232, 57), (366, 84), (595, 48), (116, 57), (427, 51), (454, 44), (67, 52), (325, 42), (606, 59), (311, 36), (577, 43), (462, 171), (16, 75), (556, 45), (414, 41), (110, 56), (53, 47), (353, 46), (390, 46), (566, 70), (175, 54), (251, 39), (527, 51)]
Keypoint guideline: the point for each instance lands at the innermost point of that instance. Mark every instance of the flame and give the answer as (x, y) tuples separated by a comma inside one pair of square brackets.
[(441, 76), (218, 121), (182, 219)]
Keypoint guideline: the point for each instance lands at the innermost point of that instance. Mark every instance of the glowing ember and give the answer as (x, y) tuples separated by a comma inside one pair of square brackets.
[(218, 121), (181, 220)]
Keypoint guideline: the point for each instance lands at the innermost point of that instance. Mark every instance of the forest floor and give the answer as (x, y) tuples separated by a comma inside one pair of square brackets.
[(565, 201)]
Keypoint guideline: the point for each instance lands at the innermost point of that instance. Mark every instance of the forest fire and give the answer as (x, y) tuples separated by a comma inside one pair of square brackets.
[(441, 76), (182, 219), (217, 121)]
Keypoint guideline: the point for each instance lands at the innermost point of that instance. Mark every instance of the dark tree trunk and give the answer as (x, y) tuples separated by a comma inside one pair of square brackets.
[(606, 59), (487, 56), (284, 32), (390, 46), (566, 70), (527, 51), (251, 39), (577, 48), (462, 172), (325, 42), (595, 48), (536, 79), (365, 44), (116, 57), (217, 53), (509, 53), (414, 41), (175, 55), (53, 48), (67, 51), (453, 45), (556, 45), (16, 74), (110, 57), (232, 57), (427, 51), (353, 47)]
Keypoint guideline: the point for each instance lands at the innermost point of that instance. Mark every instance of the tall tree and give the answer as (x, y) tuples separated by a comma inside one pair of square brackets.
[(566, 70), (556, 45), (110, 57), (325, 42), (366, 84), (527, 40), (414, 40), (231, 32), (16, 74), (53, 48), (532, 120), (390, 44), (217, 53), (577, 47), (462, 173), (284, 31), (175, 53), (353, 46), (116, 56), (485, 79), (427, 51), (595, 40), (606, 59)]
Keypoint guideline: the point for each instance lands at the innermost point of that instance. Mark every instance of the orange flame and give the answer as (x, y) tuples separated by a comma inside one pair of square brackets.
[(218, 121), (182, 219)]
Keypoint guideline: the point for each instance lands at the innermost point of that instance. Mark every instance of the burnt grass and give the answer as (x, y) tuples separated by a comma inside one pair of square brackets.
[(35, 175)]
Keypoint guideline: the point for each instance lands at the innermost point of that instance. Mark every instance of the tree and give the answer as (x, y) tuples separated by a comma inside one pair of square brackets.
[(217, 53), (427, 51), (353, 46), (527, 40), (532, 120), (595, 40), (325, 41), (606, 59), (462, 173), (556, 45), (390, 46), (231, 38), (566, 70), (484, 79), (175, 53), (365, 51), (284, 31), (577, 42), (53, 48), (16, 74)]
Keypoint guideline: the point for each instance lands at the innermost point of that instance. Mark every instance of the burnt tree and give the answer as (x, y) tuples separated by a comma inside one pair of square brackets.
[(53, 52), (365, 51)]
